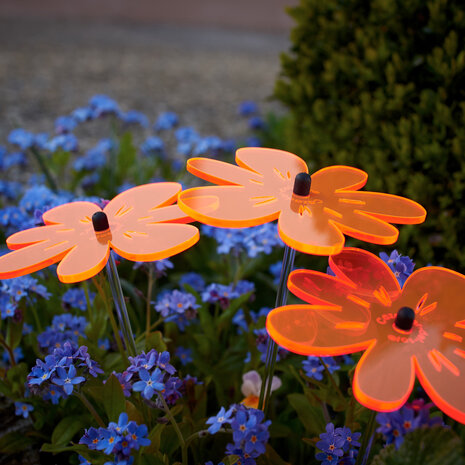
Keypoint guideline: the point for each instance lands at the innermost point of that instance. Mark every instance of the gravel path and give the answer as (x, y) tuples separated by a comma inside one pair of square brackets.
[(48, 69)]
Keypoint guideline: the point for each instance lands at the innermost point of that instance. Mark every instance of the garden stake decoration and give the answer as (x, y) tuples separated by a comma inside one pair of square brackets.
[(140, 224), (313, 212), (417, 330)]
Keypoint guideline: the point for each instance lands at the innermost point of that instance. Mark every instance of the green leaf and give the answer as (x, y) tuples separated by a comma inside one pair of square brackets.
[(311, 417), (114, 401), (425, 446), (55, 449), (14, 442), (67, 428), (273, 457), (151, 460), (155, 341), (155, 439), (14, 333)]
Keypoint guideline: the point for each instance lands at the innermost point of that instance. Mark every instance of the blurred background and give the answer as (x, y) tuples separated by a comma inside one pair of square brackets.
[(198, 58)]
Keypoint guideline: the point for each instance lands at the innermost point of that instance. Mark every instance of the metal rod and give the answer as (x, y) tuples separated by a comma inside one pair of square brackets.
[(272, 348), (120, 305)]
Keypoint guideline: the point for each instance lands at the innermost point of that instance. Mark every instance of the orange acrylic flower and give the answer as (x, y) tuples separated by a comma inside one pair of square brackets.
[(417, 330), (139, 224), (262, 189)]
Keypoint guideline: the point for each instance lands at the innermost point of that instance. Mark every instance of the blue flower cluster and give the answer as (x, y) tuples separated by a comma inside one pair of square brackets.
[(118, 439), (35, 201), (193, 280), (57, 376), (65, 328), (338, 444), (151, 373), (315, 369), (177, 306), (249, 431), (96, 157), (190, 143), (76, 298), (253, 241), (402, 266), (395, 425), (12, 291), (223, 294)]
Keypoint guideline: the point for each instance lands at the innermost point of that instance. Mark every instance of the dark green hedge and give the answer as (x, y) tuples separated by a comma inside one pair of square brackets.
[(380, 85)]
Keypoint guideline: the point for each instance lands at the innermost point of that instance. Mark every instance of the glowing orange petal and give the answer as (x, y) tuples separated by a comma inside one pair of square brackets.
[(153, 241), (367, 228), (318, 330), (442, 375), (365, 271), (384, 376), (33, 235), (338, 177), (228, 206), (443, 291), (71, 214), (169, 214), (220, 172), (310, 232), (84, 261), (319, 288), (387, 207), (271, 163), (33, 257), (142, 200)]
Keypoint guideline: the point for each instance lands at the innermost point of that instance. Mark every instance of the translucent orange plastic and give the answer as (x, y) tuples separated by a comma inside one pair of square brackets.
[(144, 226), (260, 189), (356, 311)]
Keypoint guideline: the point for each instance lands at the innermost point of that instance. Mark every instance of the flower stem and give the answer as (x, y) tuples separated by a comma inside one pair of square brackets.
[(368, 436), (176, 428), (333, 381), (8, 349), (272, 347), (43, 166), (90, 407), (85, 285)]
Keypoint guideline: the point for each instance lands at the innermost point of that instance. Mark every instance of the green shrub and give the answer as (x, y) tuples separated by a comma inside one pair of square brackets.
[(380, 85)]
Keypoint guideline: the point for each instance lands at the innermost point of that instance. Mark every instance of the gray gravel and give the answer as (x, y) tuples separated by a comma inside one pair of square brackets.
[(48, 69)]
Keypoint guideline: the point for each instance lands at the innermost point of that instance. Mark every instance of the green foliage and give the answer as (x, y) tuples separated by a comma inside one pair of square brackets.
[(379, 85), (431, 446)]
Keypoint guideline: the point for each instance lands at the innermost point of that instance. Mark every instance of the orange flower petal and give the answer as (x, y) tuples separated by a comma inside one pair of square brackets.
[(384, 376), (84, 261), (310, 232), (367, 228), (318, 329), (228, 206), (141, 201), (386, 207), (319, 288), (338, 177), (220, 172), (442, 375), (73, 213), (153, 241), (32, 258), (31, 236), (271, 163), (365, 271)]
